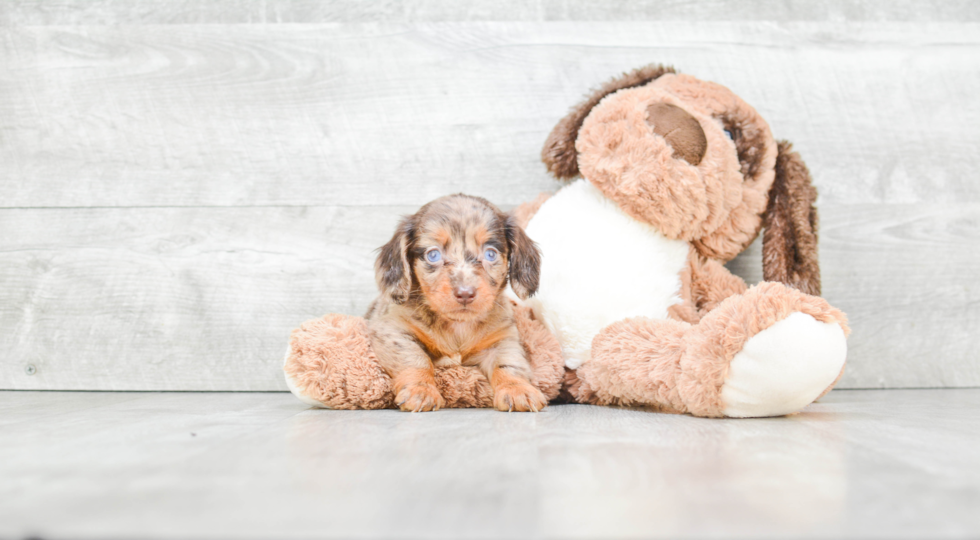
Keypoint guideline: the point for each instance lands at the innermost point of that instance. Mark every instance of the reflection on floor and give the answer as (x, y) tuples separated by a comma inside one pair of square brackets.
[(896, 463)]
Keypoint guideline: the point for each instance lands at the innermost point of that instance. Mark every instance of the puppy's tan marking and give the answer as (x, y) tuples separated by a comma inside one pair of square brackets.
[(452, 344), (442, 236), (485, 341), (481, 235), (425, 339)]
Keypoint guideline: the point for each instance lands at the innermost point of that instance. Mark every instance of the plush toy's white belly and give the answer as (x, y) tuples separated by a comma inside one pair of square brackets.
[(599, 266)]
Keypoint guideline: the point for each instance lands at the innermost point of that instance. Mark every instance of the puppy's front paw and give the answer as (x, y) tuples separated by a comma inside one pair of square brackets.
[(420, 397), (518, 395)]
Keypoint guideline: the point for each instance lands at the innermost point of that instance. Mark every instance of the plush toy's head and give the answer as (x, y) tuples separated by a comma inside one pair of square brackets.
[(692, 159)]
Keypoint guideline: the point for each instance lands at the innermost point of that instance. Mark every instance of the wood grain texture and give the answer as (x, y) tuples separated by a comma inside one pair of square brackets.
[(74, 12), (175, 299), (378, 114), (906, 277), (204, 298), (859, 464), (184, 182)]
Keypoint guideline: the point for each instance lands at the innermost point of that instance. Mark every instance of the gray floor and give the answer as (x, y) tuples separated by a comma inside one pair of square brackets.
[(897, 463)]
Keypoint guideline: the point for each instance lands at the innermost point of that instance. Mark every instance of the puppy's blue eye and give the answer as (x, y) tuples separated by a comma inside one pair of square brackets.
[(433, 255), (730, 134), (490, 254)]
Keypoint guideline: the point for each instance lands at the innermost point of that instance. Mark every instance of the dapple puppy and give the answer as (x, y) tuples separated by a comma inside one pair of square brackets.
[(442, 277)]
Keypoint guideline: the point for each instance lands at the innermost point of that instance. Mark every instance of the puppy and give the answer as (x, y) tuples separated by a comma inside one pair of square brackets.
[(442, 278)]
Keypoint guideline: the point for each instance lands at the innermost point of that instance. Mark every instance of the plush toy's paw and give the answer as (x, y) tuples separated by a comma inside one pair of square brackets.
[(420, 397), (518, 395), (293, 384), (330, 364), (768, 352), (784, 368)]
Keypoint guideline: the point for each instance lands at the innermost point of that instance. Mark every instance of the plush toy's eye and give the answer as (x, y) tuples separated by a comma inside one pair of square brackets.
[(491, 254), (730, 134), (433, 255)]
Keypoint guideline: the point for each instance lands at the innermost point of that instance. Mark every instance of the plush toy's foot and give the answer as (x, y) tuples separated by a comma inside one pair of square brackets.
[(330, 364), (301, 393), (768, 352), (784, 368)]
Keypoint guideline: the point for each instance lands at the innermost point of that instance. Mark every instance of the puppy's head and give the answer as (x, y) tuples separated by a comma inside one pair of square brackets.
[(456, 255)]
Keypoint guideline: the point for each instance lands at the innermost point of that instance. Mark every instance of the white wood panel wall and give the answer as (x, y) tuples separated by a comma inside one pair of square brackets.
[(184, 182)]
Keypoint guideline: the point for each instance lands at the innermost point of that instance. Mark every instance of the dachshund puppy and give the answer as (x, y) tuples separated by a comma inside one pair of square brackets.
[(442, 278)]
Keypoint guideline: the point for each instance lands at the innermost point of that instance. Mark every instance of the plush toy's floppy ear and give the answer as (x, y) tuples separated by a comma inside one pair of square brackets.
[(392, 269), (789, 243), (559, 153), (525, 260)]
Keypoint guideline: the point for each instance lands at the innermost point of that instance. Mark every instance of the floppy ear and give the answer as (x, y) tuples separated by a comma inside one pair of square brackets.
[(392, 269), (789, 243), (525, 260), (559, 153)]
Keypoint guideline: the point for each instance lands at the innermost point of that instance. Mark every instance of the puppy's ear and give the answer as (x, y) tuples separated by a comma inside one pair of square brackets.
[(392, 269), (525, 260), (559, 153), (789, 243)]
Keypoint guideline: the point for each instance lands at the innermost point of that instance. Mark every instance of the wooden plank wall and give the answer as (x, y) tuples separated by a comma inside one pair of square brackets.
[(184, 182)]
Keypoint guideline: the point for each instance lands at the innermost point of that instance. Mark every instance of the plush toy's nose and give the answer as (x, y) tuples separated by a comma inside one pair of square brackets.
[(465, 295), (681, 131)]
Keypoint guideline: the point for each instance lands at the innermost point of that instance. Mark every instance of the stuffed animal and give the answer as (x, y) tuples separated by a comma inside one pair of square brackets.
[(678, 175)]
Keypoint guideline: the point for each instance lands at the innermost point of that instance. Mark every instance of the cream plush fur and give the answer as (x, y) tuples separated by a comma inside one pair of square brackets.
[(784, 367), (599, 266)]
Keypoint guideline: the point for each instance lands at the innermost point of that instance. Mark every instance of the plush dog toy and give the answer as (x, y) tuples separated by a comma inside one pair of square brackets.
[(679, 175)]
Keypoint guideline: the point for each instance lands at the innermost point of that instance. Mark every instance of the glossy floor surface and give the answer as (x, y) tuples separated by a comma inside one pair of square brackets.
[(861, 464)]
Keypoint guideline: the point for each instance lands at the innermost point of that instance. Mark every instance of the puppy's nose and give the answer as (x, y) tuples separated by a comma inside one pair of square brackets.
[(465, 295)]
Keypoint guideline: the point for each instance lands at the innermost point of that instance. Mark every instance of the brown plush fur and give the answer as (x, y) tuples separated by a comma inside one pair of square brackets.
[(789, 244), (543, 352), (681, 131), (442, 276), (704, 284), (559, 152), (636, 362), (681, 367), (713, 204), (331, 361), (524, 212), (723, 332)]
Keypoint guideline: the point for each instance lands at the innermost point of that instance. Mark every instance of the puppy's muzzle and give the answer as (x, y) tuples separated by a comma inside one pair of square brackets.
[(465, 295)]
